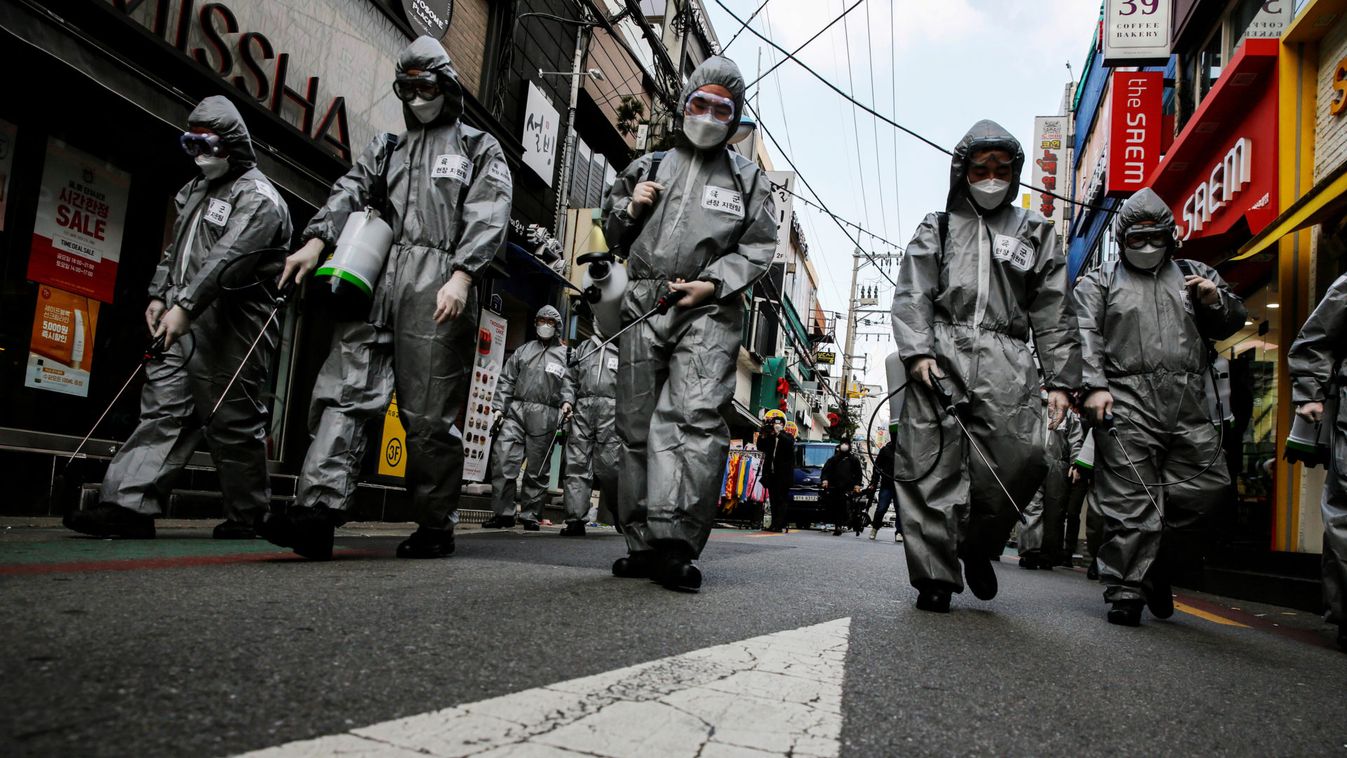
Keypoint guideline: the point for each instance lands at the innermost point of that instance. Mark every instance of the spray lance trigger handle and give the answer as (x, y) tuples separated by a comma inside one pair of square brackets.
[(942, 393), (668, 300), (1107, 423), (155, 350)]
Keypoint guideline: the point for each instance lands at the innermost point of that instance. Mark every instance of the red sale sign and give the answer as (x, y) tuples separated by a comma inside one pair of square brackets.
[(1134, 129), (77, 237)]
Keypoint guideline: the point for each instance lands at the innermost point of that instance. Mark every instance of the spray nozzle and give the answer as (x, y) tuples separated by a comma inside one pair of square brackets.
[(668, 300)]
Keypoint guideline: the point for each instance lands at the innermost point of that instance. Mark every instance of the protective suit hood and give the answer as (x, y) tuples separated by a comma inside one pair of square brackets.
[(548, 311), (1143, 205), (984, 135), (427, 54), (219, 115), (714, 70)]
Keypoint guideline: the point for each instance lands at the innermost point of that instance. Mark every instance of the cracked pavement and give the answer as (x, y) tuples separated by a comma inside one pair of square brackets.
[(523, 644)]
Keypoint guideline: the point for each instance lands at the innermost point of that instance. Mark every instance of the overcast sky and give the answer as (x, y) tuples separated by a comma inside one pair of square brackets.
[(950, 62)]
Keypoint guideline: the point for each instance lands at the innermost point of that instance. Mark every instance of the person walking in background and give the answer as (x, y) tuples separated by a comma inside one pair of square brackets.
[(886, 493), (778, 448)]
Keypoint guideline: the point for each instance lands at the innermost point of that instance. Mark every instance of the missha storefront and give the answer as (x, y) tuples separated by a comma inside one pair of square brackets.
[(89, 164)]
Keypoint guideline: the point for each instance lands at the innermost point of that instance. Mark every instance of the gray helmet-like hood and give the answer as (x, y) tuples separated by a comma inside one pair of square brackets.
[(714, 70), (548, 311), (1143, 205), (427, 54), (985, 135), (219, 115)]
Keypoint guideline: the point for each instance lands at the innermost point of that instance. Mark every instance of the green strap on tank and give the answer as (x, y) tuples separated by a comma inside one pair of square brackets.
[(346, 276)]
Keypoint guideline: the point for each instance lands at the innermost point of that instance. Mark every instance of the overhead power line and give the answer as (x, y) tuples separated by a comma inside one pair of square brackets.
[(741, 28), (817, 34), (895, 124)]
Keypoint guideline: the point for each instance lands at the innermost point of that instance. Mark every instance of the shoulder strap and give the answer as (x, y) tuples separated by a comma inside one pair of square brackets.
[(656, 158), (1186, 266)]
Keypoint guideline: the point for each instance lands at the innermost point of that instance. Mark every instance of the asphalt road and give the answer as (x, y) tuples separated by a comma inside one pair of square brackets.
[(186, 646)]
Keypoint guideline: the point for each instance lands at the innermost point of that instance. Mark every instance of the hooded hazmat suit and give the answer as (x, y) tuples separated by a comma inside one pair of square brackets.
[(1316, 363), (1040, 540), (970, 301), (218, 221), (448, 192), (1144, 339), (529, 395), (593, 451), (714, 221)]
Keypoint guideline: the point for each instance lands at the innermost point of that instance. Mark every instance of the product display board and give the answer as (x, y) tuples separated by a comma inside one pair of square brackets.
[(486, 366)]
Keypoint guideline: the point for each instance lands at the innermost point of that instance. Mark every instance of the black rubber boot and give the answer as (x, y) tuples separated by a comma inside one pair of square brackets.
[(108, 520), (1125, 613), (1342, 636), (680, 574), (1092, 573), (230, 529), (499, 522), (638, 565), (573, 529), (531, 526), (426, 542), (276, 528), (978, 573), (935, 600), (312, 532), (1028, 562), (1159, 594)]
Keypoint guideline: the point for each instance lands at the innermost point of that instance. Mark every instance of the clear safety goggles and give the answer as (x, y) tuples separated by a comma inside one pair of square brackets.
[(1150, 236), (200, 144), (407, 88), (703, 104)]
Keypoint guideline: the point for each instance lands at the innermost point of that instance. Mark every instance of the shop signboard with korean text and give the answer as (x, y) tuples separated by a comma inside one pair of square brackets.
[(541, 125), (1134, 130), (487, 362), (1136, 32), (1049, 159), (61, 351), (77, 237), (783, 187)]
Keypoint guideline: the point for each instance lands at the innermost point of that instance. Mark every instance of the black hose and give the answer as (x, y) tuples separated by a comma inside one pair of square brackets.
[(155, 354), (256, 282), (874, 459)]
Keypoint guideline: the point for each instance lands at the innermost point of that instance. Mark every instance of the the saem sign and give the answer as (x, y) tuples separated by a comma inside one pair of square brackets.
[(1134, 129), (1226, 181)]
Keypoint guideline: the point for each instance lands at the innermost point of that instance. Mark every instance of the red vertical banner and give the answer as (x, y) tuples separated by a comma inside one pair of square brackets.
[(1134, 129)]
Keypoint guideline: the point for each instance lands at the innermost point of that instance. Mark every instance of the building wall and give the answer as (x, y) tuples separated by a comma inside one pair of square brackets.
[(1330, 136), (466, 41)]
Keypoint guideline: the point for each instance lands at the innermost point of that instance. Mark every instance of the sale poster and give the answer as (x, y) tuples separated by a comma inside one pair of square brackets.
[(77, 237), (8, 133), (61, 351), (487, 363)]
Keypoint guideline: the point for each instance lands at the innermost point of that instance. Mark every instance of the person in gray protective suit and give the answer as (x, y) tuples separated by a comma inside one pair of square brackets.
[(228, 212), (447, 189), (528, 401), (1040, 540), (1145, 322), (975, 281), (704, 226), (1316, 363), (593, 451)]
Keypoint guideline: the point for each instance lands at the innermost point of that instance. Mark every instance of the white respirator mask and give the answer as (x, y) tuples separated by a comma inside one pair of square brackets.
[(426, 110), (547, 331), (988, 194), (1145, 258), (704, 132), (211, 166)]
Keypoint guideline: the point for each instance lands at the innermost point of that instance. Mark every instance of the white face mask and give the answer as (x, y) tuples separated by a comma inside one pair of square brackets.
[(779, 428), (211, 166), (989, 193), (704, 132), (547, 331), (844, 449), (1146, 258), (426, 110)]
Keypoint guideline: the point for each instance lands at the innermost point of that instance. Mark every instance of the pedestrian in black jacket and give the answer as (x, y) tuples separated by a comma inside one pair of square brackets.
[(778, 448), (882, 483), (842, 475)]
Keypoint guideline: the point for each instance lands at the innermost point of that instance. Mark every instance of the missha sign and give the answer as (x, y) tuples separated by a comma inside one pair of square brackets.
[(335, 100)]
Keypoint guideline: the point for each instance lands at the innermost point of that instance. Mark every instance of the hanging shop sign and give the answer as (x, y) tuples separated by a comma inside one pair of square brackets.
[(1136, 32), (1134, 129), (1049, 165), (8, 133), (783, 188), (486, 367), (77, 236), (541, 123), (1337, 105), (429, 17), (60, 353), (826, 359)]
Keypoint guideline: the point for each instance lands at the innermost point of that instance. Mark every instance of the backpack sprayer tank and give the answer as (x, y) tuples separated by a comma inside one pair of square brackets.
[(352, 271), (604, 281)]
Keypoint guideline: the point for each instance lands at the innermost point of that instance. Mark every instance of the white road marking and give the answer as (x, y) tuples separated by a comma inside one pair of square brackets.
[(772, 695)]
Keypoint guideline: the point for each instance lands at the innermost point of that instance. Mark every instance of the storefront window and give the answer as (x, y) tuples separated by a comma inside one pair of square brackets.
[(1253, 353)]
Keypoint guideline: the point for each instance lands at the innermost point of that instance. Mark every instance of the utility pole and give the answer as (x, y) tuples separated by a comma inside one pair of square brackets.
[(563, 193), (851, 327)]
